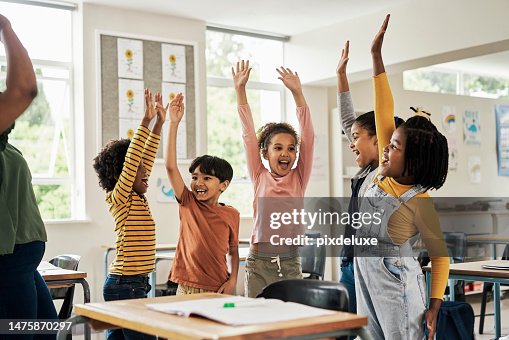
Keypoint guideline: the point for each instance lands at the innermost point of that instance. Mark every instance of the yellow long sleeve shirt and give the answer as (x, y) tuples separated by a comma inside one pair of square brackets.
[(418, 215), (134, 225)]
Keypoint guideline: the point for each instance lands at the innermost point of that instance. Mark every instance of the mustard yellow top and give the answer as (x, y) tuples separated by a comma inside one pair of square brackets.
[(418, 215)]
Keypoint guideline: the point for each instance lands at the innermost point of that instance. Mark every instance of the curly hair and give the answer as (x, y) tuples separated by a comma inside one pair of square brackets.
[(426, 153), (269, 130), (109, 162), (4, 137)]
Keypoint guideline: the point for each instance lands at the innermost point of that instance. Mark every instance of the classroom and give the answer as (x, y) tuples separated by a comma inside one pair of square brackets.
[(450, 58)]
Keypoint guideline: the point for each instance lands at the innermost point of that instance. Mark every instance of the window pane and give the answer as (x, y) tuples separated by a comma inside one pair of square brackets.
[(45, 32), (240, 196), (430, 81), (485, 86), (224, 50), (54, 201)]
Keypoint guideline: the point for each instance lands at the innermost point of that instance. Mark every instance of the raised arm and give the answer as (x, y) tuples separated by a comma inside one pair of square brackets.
[(345, 104), (384, 103), (133, 157), (21, 86), (152, 144), (240, 77), (307, 137), (176, 114)]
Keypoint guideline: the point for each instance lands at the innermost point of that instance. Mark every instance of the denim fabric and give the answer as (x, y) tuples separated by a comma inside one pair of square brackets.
[(389, 284), (124, 287), (348, 280), (23, 292)]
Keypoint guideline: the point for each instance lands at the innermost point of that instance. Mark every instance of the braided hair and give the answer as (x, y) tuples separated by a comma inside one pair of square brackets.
[(269, 130), (426, 152), (109, 162)]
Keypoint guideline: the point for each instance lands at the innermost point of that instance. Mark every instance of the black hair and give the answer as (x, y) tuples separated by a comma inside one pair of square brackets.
[(367, 122), (109, 162), (213, 166), (4, 137), (426, 153), (269, 130)]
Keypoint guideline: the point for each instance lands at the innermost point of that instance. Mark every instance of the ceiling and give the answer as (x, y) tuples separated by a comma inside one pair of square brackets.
[(495, 64), (283, 17)]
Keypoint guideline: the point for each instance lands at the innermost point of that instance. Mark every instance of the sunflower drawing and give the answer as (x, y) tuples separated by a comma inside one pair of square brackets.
[(130, 133), (130, 99), (129, 58), (172, 96), (173, 63)]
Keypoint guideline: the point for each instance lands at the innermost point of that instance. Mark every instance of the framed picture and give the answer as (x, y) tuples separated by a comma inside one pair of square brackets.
[(502, 125)]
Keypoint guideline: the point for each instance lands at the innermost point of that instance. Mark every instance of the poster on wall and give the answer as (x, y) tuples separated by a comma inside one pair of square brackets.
[(474, 169), (174, 63), (471, 128), (165, 193), (449, 119), (130, 58), (502, 125), (170, 91), (453, 153), (130, 99)]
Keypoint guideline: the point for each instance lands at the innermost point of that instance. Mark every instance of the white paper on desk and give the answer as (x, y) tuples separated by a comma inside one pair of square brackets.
[(45, 265), (261, 310), (497, 264)]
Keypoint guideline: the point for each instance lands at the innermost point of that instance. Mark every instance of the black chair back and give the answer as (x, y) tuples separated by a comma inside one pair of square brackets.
[(313, 258), (70, 262)]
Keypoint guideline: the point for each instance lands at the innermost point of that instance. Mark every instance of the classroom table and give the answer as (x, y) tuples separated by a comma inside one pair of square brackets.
[(493, 240), (472, 271), (61, 278), (134, 315)]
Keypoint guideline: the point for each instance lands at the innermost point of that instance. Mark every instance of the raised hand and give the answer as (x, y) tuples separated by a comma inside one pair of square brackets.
[(290, 80), (150, 111), (341, 69), (241, 75), (4, 22), (376, 45), (160, 109), (177, 108)]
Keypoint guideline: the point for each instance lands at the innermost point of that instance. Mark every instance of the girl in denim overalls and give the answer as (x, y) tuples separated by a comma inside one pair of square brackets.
[(389, 282)]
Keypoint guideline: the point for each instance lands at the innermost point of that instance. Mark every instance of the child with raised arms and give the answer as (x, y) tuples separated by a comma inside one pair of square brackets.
[(208, 229), (278, 144)]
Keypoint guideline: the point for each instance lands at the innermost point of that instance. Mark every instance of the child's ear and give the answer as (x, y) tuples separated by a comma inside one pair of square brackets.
[(265, 154), (224, 185)]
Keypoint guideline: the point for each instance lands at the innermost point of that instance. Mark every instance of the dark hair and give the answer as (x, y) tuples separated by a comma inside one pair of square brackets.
[(213, 166), (367, 122), (109, 162), (4, 137), (426, 153), (269, 130)]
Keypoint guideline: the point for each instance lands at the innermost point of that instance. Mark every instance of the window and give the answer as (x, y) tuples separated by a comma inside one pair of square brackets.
[(266, 98), (45, 132), (435, 79)]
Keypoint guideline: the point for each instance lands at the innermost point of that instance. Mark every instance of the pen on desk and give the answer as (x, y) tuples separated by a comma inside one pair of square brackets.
[(253, 303)]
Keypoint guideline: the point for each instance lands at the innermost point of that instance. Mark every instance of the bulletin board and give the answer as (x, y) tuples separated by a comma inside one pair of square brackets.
[(127, 66)]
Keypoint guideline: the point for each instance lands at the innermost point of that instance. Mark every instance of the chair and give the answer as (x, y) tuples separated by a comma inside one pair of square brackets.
[(165, 289), (486, 289), (314, 293), (67, 293), (313, 259)]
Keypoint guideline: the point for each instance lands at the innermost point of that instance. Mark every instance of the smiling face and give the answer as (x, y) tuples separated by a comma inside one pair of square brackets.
[(281, 153), (393, 159), (140, 185), (206, 188), (364, 146)]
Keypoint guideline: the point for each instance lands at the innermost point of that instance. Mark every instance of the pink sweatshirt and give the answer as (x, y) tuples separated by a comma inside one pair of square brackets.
[(267, 184)]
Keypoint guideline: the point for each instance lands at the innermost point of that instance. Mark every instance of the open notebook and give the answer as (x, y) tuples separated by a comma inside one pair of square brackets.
[(497, 264), (239, 310)]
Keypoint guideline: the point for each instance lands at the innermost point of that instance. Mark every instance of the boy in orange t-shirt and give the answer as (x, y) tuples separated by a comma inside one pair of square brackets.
[(208, 229)]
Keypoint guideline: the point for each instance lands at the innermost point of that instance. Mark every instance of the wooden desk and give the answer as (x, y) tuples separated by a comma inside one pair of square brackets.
[(472, 271), (493, 240), (134, 315)]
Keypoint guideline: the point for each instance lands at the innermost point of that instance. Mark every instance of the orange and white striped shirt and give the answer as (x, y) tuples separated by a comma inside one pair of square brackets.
[(134, 225)]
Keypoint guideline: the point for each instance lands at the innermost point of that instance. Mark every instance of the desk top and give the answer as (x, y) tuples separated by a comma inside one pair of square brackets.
[(475, 269), (488, 238), (61, 274), (133, 314)]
